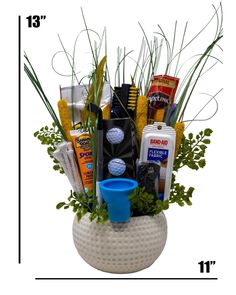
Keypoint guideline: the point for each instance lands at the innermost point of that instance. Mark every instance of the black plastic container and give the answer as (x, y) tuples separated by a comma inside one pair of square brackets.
[(123, 151)]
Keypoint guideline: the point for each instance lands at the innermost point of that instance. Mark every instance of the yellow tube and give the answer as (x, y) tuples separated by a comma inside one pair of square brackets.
[(65, 117), (141, 115), (179, 129)]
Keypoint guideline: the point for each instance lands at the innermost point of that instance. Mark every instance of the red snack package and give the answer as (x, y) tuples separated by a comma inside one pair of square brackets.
[(161, 96)]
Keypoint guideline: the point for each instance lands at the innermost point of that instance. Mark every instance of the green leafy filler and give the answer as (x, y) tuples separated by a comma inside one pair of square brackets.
[(51, 136), (82, 205), (191, 154)]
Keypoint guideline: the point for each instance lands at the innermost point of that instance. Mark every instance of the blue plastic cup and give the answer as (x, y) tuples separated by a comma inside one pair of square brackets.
[(115, 192)]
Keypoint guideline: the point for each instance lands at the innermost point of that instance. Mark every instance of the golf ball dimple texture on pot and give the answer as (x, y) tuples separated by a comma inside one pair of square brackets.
[(116, 167), (115, 135)]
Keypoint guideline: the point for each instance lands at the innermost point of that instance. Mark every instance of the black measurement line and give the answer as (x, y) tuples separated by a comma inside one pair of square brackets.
[(19, 139), (142, 279)]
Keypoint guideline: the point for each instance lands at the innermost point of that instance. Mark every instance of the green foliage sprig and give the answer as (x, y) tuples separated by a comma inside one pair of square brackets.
[(191, 154), (50, 136), (143, 203), (179, 194), (192, 151), (82, 205)]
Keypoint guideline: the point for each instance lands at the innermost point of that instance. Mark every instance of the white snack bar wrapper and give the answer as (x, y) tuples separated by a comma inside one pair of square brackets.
[(77, 95)]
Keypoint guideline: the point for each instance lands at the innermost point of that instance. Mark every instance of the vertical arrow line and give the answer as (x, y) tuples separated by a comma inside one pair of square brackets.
[(19, 139)]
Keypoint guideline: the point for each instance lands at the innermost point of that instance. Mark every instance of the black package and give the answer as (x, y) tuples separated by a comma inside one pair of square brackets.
[(148, 175), (118, 149)]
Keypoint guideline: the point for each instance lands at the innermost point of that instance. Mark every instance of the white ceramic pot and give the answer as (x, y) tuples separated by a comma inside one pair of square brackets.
[(121, 247)]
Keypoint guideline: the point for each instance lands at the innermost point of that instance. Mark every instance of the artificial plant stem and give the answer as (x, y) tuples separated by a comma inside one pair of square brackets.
[(156, 50), (67, 57), (194, 118), (191, 70), (118, 62), (72, 87), (159, 53), (202, 74), (48, 107), (168, 50), (150, 51), (94, 145), (185, 78), (144, 61), (32, 69), (107, 75), (100, 43), (149, 76), (95, 135), (209, 49), (35, 81), (124, 66), (141, 74), (173, 46), (139, 57), (177, 114), (181, 48), (186, 45), (90, 44), (118, 67), (218, 23)]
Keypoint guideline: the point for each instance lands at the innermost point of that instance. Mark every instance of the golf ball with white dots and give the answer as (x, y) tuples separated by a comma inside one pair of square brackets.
[(115, 135), (116, 166)]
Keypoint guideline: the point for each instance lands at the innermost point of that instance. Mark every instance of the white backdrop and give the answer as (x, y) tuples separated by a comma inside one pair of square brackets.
[(203, 231)]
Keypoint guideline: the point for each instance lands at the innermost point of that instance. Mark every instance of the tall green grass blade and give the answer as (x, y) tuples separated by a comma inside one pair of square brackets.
[(213, 97), (141, 74), (196, 36), (67, 56), (179, 111), (149, 48), (124, 65), (89, 39), (172, 47), (118, 68), (181, 49), (37, 85), (119, 63), (139, 58), (107, 74), (191, 70), (168, 48), (34, 82)]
